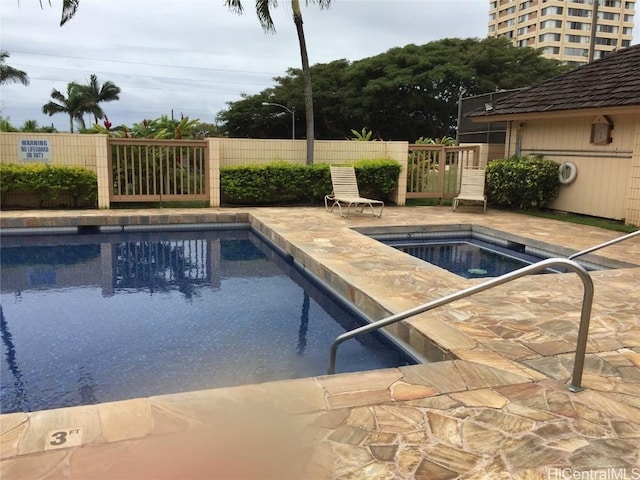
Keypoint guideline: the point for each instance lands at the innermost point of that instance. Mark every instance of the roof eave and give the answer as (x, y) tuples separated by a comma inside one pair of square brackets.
[(572, 113)]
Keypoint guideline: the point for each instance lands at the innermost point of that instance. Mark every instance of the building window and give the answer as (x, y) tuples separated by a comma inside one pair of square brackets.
[(609, 16), (625, 43), (612, 3), (576, 52), (523, 18), (522, 43), (552, 11), (508, 11), (522, 31), (629, 5), (493, 5), (607, 28), (578, 12), (551, 51), (578, 26), (580, 1), (577, 39), (612, 42), (628, 18), (551, 24), (627, 30), (549, 37)]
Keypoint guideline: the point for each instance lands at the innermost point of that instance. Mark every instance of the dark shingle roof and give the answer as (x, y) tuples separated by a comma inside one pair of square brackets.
[(613, 81)]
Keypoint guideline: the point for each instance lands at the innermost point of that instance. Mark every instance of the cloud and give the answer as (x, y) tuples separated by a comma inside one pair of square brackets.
[(195, 56)]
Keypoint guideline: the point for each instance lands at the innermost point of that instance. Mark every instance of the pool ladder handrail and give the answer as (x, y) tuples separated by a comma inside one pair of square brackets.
[(602, 245), (585, 314)]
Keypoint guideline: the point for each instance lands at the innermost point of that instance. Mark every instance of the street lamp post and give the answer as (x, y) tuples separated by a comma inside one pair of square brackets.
[(293, 116)]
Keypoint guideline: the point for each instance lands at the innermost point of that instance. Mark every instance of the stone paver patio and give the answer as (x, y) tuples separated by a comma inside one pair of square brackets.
[(496, 405)]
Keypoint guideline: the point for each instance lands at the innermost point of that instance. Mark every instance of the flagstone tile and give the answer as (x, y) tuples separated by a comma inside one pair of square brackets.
[(60, 427), (125, 420), (529, 452), (398, 419), (358, 398), (9, 421), (481, 439), (504, 422), (361, 417), (509, 368), (14, 428), (405, 391), (349, 434), (428, 470), (32, 467), (443, 376), (349, 382), (453, 459), (483, 397), (408, 458), (476, 375), (447, 429)]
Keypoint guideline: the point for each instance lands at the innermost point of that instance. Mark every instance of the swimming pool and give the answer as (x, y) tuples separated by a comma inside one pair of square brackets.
[(103, 317), (478, 252)]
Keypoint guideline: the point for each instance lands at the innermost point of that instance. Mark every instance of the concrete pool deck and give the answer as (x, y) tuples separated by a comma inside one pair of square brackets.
[(495, 406)]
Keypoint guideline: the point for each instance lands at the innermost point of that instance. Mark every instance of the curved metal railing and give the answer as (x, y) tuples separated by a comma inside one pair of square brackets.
[(585, 314), (602, 245)]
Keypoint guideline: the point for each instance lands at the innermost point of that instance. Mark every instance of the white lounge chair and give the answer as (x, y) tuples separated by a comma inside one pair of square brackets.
[(346, 193), (471, 187)]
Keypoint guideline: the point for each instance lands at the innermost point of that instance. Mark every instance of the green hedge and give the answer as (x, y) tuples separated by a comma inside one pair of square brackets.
[(47, 182), (522, 182), (286, 183)]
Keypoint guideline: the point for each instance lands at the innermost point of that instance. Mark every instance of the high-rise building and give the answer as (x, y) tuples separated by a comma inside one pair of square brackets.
[(573, 31)]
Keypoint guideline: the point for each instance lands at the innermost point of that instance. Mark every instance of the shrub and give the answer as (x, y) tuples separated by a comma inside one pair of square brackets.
[(522, 182), (286, 183), (46, 182)]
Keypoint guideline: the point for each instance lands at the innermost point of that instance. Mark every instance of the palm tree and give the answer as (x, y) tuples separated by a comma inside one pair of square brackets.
[(75, 104), (264, 16), (9, 74), (107, 92)]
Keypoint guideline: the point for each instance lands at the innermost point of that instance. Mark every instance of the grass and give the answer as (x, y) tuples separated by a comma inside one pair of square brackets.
[(581, 219), (544, 213)]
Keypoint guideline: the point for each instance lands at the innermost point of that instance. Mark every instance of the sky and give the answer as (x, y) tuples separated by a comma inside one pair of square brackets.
[(196, 58)]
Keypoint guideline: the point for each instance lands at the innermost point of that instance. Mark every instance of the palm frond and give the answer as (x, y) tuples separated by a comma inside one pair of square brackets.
[(69, 9)]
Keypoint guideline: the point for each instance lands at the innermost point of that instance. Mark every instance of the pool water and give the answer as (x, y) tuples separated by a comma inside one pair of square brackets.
[(97, 318), (467, 258)]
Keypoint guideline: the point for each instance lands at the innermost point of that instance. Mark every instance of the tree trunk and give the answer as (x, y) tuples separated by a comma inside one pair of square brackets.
[(70, 123), (306, 74)]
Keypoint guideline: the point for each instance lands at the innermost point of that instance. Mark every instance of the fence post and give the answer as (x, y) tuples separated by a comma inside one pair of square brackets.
[(103, 153), (213, 162)]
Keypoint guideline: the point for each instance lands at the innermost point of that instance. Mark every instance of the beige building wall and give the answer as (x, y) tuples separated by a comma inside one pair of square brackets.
[(564, 29), (607, 178)]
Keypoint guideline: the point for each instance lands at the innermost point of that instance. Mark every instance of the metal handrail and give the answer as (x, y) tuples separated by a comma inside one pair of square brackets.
[(605, 244), (585, 314)]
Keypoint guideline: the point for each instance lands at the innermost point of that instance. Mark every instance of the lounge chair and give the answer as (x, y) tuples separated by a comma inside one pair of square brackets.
[(471, 187), (346, 193)]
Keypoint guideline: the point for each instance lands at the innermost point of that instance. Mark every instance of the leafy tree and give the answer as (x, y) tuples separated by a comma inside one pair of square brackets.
[(75, 104), (9, 74), (107, 92), (264, 16), (402, 94), (5, 125), (32, 126)]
